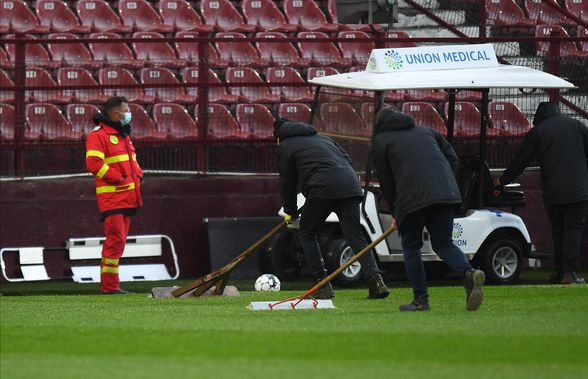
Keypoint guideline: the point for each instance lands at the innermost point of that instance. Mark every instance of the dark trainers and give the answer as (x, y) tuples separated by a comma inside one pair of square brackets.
[(377, 287), (473, 282), (418, 304), (117, 292), (572, 278), (325, 292)]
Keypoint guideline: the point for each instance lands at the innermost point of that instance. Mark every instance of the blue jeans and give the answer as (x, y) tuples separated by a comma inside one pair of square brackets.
[(438, 219)]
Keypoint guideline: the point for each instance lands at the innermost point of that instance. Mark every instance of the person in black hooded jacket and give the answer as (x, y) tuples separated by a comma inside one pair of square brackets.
[(320, 169), (562, 146), (416, 169)]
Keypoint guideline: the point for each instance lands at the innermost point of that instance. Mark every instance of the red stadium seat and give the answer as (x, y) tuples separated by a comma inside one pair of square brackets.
[(542, 13), (565, 49), (332, 12), (294, 111), (308, 16), (56, 15), (222, 125), (188, 52), (99, 15), (321, 53), (155, 53), (154, 76), (281, 53), (398, 34), (467, 120), (256, 119), (465, 95), (425, 114), (18, 18), (122, 77), (113, 53), (80, 116), (223, 15), (507, 13), (578, 8), (181, 16), (265, 16), (35, 53), (141, 16), (289, 93), (37, 77), (366, 111), (426, 95), (239, 53), (508, 117), (73, 76), (331, 94), (143, 126), (49, 120), (357, 52), (4, 60), (6, 122), (249, 94), (583, 32), (6, 96), (341, 118), (175, 119), (75, 54), (215, 94)]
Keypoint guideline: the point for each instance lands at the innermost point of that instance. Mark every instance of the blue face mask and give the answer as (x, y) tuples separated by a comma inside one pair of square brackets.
[(127, 118)]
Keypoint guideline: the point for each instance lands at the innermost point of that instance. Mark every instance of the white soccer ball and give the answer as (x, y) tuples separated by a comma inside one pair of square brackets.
[(267, 282)]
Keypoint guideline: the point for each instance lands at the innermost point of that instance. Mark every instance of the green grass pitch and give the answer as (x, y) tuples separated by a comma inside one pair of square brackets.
[(524, 331)]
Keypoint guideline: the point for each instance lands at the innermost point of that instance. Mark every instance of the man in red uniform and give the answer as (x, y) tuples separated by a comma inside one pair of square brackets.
[(111, 158)]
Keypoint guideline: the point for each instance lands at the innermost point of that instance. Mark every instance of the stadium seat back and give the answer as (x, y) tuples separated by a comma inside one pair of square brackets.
[(140, 15), (100, 16), (69, 53), (121, 77), (288, 75), (154, 53), (75, 76), (358, 52), (6, 96), (467, 118), (181, 16), (265, 15), (50, 122), (112, 52), (56, 15), (18, 17), (506, 12), (294, 111), (341, 118), (249, 94), (221, 124), (143, 126), (155, 76), (566, 48), (38, 77), (35, 53), (320, 53), (425, 114), (398, 34), (256, 119), (508, 117), (223, 15), (6, 122), (279, 53), (176, 120), (80, 116), (308, 15), (542, 13), (578, 8), (238, 53)]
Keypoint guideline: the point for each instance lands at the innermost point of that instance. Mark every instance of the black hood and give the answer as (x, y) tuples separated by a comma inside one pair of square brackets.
[(390, 119), (546, 110), (100, 117), (295, 129)]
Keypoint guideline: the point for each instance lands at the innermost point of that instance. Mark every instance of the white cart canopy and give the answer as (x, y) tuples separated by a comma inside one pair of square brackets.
[(440, 67)]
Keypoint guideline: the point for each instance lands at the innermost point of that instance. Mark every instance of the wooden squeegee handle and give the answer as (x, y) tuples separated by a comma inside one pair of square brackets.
[(225, 270), (350, 261)]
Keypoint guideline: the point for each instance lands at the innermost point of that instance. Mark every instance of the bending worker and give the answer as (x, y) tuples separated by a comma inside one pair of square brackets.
[(111, 158), (416, 169), (320, 168)]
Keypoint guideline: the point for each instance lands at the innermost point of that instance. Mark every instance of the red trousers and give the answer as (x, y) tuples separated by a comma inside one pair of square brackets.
[(116, 229)]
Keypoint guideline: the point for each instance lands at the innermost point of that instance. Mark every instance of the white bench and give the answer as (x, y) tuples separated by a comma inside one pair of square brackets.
[(144, 246)]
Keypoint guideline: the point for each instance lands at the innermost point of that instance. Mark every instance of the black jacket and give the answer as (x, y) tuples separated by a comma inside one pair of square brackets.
[(314, 165), (415, 165), (562, 145)]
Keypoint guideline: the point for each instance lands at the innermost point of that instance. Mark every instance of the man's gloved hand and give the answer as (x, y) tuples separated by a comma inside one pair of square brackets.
[(289, 220)]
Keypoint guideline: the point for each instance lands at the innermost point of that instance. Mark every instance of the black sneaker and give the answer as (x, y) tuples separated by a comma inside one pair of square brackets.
[(117, 292), (572, 278), (325, 292), (473, 283), (418, 304), (377, 287)]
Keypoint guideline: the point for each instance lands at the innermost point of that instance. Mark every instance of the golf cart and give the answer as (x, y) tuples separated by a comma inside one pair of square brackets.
[(497, 241)]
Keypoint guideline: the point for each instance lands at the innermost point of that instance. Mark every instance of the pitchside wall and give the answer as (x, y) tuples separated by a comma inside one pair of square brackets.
[(47, 212)]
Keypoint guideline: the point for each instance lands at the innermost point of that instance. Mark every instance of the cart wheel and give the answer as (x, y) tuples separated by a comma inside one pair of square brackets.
[(502, 260), (282, 256), (338, 253)]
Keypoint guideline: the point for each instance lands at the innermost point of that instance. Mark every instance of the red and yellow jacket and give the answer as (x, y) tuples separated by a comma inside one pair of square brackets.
[(111, 158)]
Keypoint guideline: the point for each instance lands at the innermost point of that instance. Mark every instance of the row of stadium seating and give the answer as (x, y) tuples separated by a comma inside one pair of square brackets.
[(223, 54), (45, 121), (223, 15), (267, 92)]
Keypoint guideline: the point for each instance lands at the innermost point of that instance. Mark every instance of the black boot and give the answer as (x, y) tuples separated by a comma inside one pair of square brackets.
[(420, 303), (325, 292), (377, 287), (473, 282)]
